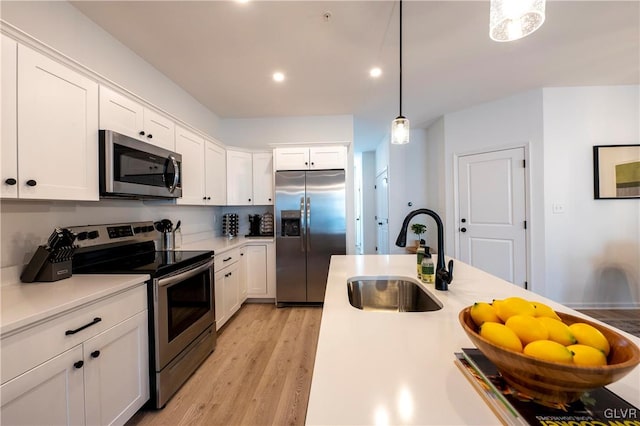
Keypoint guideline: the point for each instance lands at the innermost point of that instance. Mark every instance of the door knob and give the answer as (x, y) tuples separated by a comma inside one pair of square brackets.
[(463, 229), (463, 220)]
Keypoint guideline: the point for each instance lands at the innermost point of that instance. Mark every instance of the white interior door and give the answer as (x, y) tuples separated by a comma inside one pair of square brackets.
[(492, 228), (382, 213)]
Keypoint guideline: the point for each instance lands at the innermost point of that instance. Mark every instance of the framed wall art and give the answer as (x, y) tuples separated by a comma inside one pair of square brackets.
[(616, 171)]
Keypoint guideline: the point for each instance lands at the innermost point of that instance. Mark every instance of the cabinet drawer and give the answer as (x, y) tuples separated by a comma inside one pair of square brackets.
[(225, 259), (33, 346)]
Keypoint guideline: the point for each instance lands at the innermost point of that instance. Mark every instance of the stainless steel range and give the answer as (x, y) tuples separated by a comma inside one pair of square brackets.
[(182, 330)]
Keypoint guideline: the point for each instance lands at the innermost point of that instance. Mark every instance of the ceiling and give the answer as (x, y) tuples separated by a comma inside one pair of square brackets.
[(224, 52)]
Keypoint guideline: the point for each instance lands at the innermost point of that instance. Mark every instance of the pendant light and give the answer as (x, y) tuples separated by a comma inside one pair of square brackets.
[(400, 126), (513, 19)]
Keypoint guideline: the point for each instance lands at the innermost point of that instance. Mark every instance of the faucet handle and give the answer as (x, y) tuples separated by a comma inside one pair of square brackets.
[(450, 274), (446, 275)]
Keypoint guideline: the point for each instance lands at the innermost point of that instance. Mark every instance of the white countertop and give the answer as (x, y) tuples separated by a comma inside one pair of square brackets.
[(24, 304), (397, 368)]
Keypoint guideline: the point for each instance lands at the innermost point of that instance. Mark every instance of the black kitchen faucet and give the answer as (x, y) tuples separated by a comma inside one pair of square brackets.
[(443, 276)]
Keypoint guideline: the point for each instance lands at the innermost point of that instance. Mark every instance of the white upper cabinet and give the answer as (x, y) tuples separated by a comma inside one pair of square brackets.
[(57, 130), (129, 117), (9, 129), (215, 158), (262, 178), (239, 178), (314, 158), (203, 169), (191, 147)]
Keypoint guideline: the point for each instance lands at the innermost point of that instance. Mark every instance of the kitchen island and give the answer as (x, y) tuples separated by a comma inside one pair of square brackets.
[(397, 368)]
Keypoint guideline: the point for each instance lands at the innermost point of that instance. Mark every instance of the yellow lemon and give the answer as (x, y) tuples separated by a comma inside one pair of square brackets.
[(549, 350), (588, 335), (482, 312), (513, 306), (501, 335), (527, 328), (587, 355), (558, 331), (542, 310)]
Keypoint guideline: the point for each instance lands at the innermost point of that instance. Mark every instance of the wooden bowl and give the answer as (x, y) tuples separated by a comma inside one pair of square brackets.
[(554, 381)]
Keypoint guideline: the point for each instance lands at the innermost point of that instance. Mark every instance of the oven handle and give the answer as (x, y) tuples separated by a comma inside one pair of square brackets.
[(163, 282)]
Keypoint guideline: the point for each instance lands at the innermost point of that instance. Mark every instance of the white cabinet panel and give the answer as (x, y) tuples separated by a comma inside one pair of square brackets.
[(57, 130), (9, 131), (191, 146), (160, 130), (227, 286), (49, 394), (256, 273), (262, 178), (239, 178), (125, 115), (314, 158), (117, 372), (215, 158), (120, 113)]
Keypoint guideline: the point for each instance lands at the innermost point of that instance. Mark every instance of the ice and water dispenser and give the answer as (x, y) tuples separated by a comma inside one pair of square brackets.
[(290, 223)]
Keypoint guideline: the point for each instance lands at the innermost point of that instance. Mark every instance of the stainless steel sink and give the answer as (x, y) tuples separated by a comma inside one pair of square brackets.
[(392, 294)]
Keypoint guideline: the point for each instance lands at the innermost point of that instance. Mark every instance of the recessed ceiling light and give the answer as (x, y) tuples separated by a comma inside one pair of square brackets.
[(242, 1), (375, 72), (278, 76)]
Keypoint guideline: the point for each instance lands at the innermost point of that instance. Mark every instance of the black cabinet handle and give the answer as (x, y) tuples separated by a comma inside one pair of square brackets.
[(269, 199), (95, 354), (32, 182), (463, 229), (228, 275), (10, 181), (306, 163), (95, 321), (208, 198), (204, 198), (141, 133), (227, 259), (150, 136), (313, 164), (249, 199), (78, 364)]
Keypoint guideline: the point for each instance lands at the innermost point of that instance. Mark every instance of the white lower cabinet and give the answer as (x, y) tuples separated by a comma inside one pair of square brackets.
[(100, 378), (227, 282), (260, 273), (50, 394)]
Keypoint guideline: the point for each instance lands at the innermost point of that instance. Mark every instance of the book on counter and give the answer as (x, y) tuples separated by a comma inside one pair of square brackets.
[(599, 407)]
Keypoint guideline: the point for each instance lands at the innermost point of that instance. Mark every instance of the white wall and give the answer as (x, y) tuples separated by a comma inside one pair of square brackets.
[(369, 227), (592, 249), (508, 122), (64, 28), (435, 175)]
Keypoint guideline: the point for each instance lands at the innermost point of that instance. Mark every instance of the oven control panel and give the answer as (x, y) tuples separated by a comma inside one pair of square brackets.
[(95, 235)]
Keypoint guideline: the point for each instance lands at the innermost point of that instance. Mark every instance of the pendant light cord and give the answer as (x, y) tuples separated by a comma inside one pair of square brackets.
[(400, 57)]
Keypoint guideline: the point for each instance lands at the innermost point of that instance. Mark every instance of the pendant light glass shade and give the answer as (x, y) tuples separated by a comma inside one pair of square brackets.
[(513, 19), (400, 126), (400, 131)]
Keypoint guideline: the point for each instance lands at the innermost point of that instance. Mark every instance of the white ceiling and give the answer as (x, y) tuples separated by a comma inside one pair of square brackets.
[(223, 53)]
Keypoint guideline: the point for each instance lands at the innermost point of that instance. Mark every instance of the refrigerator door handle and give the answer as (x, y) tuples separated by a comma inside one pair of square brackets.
[(302, 225), (308, 224)]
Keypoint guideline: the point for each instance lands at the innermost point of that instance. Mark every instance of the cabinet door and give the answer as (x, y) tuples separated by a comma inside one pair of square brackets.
[(239, 180), (330, 157), (291, 158), (231, 288), (218, 284), (191, 146), (215, 158), (242, 279), (159, 130), (49, 394), (57, 130), (121, 114), (9, 134), (116, 372), (257, 270), (262, 179)]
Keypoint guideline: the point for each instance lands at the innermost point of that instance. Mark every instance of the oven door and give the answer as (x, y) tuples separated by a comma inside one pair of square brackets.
[(183, 309)]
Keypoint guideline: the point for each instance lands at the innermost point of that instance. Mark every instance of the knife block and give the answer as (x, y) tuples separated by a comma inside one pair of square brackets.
[(42, 268)]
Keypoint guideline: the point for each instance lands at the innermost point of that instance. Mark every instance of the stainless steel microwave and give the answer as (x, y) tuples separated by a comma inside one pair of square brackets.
[(131, 168)]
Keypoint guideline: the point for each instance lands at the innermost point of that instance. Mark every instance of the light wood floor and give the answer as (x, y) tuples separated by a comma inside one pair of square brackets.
[(260, 372)]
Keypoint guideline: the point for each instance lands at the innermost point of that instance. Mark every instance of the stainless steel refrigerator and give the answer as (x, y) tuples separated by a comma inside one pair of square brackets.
[(310, 227)]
